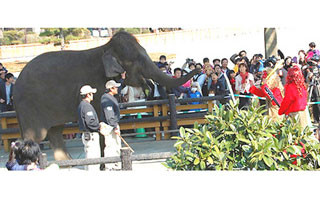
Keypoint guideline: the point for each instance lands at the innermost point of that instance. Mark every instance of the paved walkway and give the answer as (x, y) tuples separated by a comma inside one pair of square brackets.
[(139, 145)]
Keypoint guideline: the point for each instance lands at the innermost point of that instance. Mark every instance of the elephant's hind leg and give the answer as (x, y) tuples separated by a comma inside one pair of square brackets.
[(57, 144)]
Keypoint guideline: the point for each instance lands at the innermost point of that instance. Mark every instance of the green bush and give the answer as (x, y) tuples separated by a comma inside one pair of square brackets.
[(245, 140), (47, 40), (48, 32), (133, 30), (80, 33), (71, 37), (13, 37)]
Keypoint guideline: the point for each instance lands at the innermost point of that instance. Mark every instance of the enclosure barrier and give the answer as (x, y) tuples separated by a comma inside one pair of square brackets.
[(161, 115), (125, 158)]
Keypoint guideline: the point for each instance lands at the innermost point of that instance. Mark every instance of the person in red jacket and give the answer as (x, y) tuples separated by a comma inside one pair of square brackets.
[(295, 100), (276, 87)]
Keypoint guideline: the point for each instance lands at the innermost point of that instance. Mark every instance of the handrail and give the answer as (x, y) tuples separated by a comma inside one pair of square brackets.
[(11, 114)]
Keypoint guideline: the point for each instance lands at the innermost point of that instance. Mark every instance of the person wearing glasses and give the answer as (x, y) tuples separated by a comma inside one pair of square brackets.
[(110, 115)]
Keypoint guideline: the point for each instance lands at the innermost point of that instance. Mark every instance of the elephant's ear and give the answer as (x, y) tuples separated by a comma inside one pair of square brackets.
[(111, 65)]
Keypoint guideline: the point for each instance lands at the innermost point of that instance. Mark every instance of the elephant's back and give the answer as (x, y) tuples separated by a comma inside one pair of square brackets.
[(50, 68)]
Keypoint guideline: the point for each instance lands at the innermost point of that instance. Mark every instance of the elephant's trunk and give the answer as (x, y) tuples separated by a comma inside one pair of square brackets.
[(153, 72)]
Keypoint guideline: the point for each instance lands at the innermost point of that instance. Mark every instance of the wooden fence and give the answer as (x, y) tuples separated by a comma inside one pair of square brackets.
[(125, 158), (162, 116)]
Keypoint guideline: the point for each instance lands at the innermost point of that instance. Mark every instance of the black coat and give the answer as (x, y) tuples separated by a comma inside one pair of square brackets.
[(3, 94), (110, 111)]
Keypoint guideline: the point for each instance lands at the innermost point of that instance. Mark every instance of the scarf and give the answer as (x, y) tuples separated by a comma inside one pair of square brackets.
[(244, 77)]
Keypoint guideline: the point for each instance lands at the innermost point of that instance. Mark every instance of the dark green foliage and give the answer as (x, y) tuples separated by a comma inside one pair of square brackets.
[(244, 140), (12, 37), (134, 30), (50, 35)]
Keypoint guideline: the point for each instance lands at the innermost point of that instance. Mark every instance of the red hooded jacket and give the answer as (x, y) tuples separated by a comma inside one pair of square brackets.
[(260, 92), (292, 101)]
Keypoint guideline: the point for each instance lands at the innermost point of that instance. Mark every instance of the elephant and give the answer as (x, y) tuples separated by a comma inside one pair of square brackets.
[(46, 94)]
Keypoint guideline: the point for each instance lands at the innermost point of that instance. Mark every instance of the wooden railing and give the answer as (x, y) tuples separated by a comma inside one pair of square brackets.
[(158, 117)]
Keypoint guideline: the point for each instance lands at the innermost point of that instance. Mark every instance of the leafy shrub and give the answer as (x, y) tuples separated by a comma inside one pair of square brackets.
[(47, 40), (245, 140), (133, 30), (80, 33), (13, 37), (71, 37), (50, 32)]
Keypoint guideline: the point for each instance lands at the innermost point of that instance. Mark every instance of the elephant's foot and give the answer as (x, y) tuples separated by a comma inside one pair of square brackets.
[(59, 154)]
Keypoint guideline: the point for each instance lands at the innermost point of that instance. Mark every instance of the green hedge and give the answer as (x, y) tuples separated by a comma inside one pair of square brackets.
[(245, 140), (50, 35)]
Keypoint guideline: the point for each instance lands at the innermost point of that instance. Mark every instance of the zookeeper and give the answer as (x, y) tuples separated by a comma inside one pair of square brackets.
[(89, 125), (110, 115)]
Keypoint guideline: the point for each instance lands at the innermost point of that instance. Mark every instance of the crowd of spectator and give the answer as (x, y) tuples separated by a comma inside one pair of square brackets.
[(241, 74), (6, 87)]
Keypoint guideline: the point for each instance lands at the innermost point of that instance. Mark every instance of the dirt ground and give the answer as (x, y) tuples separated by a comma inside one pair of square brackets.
[(14, 66), (19, 65)]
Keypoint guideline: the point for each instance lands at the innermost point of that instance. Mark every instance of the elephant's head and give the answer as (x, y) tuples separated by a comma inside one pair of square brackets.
[(124, 53)]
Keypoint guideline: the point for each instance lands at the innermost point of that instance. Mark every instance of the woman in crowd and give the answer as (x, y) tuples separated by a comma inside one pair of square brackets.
[(284, 70), (302, 58), (294, 103), (243, 84), (276, 87)]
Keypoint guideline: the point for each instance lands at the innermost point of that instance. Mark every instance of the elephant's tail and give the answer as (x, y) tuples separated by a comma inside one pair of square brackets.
[(18, 118)]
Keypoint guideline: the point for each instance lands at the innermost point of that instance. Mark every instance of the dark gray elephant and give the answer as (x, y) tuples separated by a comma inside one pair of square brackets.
[(46, 94)]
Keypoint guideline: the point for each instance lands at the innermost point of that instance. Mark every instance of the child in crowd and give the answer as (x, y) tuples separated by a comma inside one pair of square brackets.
[(232, 79), (194, 92), (24, 155), (12, 163)]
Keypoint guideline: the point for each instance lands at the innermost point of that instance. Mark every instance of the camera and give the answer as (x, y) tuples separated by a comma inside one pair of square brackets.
[(315, 57), (188, 60)]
